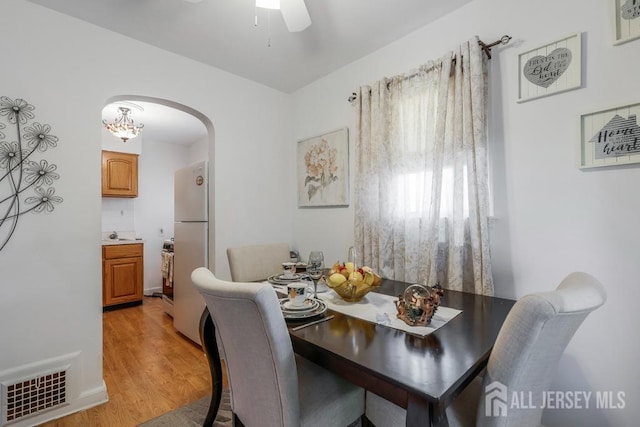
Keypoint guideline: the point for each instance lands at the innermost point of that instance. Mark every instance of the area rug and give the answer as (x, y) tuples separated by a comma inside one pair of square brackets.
[(194, 413)]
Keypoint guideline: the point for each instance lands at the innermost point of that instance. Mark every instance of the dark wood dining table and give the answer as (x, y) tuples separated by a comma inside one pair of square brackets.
[(421, 374)]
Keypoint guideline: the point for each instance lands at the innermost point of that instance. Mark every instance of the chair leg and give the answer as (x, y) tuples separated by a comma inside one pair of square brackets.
[(365, 422), (208, 338), (236, 421)]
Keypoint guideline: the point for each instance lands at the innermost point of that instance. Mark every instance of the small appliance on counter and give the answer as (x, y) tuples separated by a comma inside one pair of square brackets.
[(167, 245)]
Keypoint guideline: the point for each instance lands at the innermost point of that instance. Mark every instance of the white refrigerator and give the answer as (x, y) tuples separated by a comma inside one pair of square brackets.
[(191, 236)]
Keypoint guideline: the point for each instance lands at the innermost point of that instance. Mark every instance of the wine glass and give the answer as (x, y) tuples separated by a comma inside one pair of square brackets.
[(315, 275), (316, 260), (351, 256), (314, 269)]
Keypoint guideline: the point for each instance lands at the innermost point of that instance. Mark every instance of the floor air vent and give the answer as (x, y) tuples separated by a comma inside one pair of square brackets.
[(30, 396)]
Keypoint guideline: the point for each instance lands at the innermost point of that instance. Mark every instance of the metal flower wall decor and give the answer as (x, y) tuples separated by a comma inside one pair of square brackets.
[(25, 181)]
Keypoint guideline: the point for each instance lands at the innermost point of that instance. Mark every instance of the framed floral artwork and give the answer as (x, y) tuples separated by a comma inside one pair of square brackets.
[(323, 170)]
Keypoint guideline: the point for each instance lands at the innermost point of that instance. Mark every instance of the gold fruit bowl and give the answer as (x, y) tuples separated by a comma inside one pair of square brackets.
[(354, 287)]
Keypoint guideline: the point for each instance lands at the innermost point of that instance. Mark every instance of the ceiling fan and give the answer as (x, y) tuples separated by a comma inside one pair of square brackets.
[(294, 12)]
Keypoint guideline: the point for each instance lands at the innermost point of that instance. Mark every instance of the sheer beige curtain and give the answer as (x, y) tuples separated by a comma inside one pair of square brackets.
[(421, 185)]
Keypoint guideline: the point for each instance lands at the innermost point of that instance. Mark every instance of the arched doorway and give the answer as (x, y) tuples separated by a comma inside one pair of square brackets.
[(165, 145)]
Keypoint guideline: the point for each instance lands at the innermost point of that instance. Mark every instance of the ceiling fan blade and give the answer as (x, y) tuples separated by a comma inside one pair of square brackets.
[(295, 14)]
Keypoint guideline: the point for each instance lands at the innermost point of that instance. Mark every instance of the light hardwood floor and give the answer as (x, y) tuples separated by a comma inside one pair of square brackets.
[(149, 369)]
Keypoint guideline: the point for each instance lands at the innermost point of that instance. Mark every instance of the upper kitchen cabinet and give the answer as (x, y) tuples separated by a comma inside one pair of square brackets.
[(119, 174)]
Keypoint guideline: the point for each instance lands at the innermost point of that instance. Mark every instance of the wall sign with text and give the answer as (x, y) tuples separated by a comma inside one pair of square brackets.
[(610, 137), (551, 68), (626, 14)]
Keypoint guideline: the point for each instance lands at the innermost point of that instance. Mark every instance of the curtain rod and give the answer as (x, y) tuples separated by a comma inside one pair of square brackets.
[(486, 48)]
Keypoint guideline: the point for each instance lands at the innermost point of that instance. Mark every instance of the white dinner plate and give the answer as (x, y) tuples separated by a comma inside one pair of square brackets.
[(306, 314), (278, 279), (309, 304), (322, 287)]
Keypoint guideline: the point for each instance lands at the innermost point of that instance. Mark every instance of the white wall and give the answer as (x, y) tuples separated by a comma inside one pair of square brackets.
[(51, 269), (198, 150), (154, 204), (118, 214), (552, 218)]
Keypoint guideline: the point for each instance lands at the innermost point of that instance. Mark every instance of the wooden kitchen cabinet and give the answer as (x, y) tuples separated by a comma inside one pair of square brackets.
[(122, 274), (119, 174)]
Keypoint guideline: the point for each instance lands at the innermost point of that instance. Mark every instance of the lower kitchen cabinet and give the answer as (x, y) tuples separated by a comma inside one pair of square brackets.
[(122, 274)]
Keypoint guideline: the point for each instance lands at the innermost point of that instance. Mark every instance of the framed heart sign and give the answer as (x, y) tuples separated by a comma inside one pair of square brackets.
[(551, 68), (626, 14)]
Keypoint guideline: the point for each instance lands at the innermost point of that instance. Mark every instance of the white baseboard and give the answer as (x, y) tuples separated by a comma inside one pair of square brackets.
[(150, 291)]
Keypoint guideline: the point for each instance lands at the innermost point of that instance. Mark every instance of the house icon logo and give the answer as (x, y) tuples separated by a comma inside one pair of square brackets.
[(495, 400)]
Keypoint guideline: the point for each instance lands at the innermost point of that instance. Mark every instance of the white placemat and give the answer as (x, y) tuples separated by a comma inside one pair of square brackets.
[(380, 309)]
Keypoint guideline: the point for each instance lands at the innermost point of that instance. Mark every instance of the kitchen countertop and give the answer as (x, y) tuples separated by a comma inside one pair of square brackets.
[(121, 242)]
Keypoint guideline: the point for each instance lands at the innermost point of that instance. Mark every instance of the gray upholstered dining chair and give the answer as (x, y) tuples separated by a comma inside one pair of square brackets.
[(256, 262), (524, 357), (270, 385)]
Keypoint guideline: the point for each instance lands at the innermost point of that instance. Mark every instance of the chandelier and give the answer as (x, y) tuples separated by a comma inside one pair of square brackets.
[(123, 126)]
